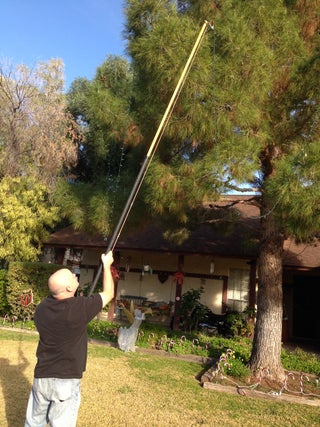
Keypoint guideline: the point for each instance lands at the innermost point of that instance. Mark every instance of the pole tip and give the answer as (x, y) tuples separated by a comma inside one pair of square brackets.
[(211, 24)]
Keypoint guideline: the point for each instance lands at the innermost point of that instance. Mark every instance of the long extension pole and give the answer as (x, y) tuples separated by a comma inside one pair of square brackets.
[(153, 147)]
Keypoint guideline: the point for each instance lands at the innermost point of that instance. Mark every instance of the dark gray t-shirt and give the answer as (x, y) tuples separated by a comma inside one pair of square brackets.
[(62, 326)]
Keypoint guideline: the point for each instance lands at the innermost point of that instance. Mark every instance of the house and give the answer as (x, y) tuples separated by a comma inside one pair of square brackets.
[(219, 256)]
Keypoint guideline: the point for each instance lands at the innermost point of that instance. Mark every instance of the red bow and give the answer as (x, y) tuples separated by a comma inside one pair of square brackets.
[(115, 272), (26, 298), (178, 277)]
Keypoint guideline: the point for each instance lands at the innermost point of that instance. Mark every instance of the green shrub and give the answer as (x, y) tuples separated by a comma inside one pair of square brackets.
[(238, 324), (238, 369), (4, 307), (300, 361), (13, 322), (23, 278), (191, 310), (102, 329)]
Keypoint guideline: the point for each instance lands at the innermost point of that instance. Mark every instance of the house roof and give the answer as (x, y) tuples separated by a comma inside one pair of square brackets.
[(232, 239), (150, 238)]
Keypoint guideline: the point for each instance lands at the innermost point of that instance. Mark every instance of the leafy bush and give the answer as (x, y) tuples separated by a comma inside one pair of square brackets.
[(191, 310), (238, 369), (300, 361), (160, 338), (23, 278), (13, 322), (4, 307), (103, 330), (241, 347), (193, 313)]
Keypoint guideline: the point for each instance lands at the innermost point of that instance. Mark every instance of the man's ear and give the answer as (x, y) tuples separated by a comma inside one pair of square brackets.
[(69, 288)]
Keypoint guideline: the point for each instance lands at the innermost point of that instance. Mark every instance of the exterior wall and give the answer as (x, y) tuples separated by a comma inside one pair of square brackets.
[(86, 277), (136, 282), (212, 296), (150, 287), (197, 270)]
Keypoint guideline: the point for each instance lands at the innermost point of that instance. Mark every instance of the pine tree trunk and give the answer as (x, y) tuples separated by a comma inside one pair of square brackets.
[(266, 352)]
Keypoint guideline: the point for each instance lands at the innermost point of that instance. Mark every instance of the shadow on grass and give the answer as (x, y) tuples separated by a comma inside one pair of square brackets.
[(15, 388)]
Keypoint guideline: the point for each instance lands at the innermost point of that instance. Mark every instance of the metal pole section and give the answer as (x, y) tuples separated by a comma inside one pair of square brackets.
[(153, 147)]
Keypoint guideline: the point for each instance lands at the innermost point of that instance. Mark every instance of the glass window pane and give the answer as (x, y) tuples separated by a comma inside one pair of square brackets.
[(238, 289)]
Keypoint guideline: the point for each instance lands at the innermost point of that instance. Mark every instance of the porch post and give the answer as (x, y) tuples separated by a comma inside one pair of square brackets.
[(252, 284), (178, 278)]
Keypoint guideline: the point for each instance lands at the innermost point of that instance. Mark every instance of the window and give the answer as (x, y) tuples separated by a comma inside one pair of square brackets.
[(238, 289)]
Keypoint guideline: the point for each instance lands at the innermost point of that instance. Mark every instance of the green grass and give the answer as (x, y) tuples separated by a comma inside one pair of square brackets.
[(140, 389)]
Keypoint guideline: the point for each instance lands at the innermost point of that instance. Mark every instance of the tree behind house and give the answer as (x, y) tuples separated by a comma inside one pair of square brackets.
[(102, 109)]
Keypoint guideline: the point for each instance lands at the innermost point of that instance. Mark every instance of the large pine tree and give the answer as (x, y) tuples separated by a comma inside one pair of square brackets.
[(249, 113)]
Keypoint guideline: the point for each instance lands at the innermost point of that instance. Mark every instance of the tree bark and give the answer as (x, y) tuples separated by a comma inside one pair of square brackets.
[(266, 351)]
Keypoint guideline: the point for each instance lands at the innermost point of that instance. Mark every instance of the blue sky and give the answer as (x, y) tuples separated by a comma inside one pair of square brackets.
[(80, 32)]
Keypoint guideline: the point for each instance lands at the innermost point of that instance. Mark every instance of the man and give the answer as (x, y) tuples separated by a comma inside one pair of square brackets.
[(61, 320)]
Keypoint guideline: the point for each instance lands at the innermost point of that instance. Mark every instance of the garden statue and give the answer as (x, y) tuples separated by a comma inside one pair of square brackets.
[(128, 336)]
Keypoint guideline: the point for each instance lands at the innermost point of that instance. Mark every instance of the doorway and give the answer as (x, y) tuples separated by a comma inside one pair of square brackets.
[(306, 300)]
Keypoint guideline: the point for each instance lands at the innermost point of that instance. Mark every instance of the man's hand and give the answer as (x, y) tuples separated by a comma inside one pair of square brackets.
[(107, 259)]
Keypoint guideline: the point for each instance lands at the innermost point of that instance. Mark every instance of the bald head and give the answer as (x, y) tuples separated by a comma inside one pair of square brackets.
[(63, 284)]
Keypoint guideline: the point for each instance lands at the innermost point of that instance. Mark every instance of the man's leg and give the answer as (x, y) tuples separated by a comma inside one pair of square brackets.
[(65, 402), (38, 406)]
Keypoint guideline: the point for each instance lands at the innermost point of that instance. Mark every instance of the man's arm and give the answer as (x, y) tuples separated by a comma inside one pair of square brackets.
[(107, 280)]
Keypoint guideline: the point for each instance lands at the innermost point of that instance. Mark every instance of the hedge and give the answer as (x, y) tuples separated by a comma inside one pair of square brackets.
[(27, 285), (4, 307)]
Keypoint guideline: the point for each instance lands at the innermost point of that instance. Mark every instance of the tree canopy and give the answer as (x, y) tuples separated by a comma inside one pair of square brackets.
[(37, 147), (25, 216), (36, 132), (102, 108), (248, 107)]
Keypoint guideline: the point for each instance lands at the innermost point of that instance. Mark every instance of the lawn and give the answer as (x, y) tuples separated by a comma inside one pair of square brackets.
[(140, 389)]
